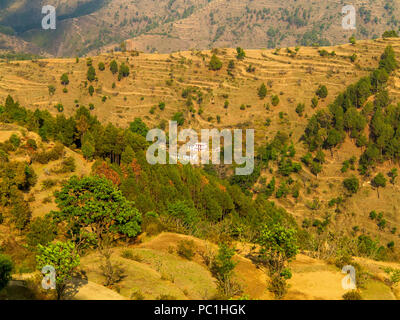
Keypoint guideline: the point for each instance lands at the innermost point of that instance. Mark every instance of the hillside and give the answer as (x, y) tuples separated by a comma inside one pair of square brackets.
[(92, 26), (159, 78), (50, 143)]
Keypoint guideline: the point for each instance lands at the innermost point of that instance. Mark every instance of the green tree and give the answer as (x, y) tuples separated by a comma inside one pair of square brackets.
[(91, 90), (102, 67), (52, 89), (390, 34), (64, 79), (275, 100), (351, 184), (139, 127), (393, 174), (41, 231), (322, 92), (21, 214), (128, 155), (222, 268), (123, 71), (215, 63), (114, 67), (262, 91), (352, 40), (93, 206), (91, 74), (6, 267), (183, 212), (240, 53), (300, 109), (278, 247), (379, 181), (63, 258)]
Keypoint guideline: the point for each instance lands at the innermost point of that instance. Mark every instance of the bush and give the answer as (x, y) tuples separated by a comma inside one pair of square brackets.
[(240, 53), (64, 79), (127, 254), (59, 107), (6, 267), (262, 91), (41, 231), (114, 67), (300, 109), (352, 295), (91, 74), (186, 249), (21, 213), (275, 100), (45, 157), (48, 184), (322, 92), (67, 165), (215, 63), (351, 184)]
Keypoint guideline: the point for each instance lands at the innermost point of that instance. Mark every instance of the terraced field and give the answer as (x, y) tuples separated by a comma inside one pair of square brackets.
[(293, 79)]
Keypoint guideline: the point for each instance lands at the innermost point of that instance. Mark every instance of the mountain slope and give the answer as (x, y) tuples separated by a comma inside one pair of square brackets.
[(171, 25)]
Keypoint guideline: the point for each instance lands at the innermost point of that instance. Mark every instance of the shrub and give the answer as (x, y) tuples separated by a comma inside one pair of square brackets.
[(91, 74), (64, 79), (314, 102), (114, 67), (186, 249), (59, 107), (127, 254), (67, 165), (390, 34), (215, 63), (262, 91), (48, 183), (41, 231), (240, 53), (352, 295), (322, 92), (275, 100), (351, 184), (123, 71), (6, 267), (300, 109), (52, 89)]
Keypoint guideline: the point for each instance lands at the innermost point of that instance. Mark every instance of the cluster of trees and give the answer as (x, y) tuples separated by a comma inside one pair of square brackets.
[(163, 189), (281, 151), (353, 110), (16, 178)]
